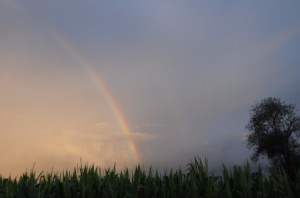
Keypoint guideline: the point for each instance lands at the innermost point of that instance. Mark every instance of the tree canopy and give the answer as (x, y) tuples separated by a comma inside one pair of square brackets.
[(274, 132)]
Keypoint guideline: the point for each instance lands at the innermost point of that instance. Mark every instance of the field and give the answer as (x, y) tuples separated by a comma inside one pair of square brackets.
[(194, 181)]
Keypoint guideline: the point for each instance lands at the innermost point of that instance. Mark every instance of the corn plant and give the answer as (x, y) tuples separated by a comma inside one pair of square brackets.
[(195, 181)]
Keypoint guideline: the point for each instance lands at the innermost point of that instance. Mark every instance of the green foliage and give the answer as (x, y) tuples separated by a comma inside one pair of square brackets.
[(196, 181)]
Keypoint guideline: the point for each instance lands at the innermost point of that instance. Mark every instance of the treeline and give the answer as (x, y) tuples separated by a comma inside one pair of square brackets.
[(195, 181)]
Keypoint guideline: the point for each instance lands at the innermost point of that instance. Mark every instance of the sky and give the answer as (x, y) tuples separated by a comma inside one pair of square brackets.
[(139, 82)]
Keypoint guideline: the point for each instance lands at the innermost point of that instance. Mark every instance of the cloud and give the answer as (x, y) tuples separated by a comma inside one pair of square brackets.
[(155, 125), (112, 131), (184, 72), (64, 148)]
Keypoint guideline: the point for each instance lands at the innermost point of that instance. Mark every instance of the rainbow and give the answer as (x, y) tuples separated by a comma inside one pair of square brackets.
[(119, 116), (116, 110)]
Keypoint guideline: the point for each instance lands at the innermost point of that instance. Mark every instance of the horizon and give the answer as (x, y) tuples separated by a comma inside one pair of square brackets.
[(151, 83)]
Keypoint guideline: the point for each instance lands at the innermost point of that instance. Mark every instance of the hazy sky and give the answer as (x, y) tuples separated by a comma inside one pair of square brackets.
[(163, 81)]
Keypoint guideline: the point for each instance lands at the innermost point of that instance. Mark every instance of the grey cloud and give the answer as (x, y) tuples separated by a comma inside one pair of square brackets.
[(185, 73)]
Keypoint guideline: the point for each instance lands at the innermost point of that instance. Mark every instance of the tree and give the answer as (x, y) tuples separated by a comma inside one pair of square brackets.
[(274, 131)]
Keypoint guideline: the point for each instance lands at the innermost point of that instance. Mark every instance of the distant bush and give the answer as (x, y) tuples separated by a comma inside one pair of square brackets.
[(195, 181)]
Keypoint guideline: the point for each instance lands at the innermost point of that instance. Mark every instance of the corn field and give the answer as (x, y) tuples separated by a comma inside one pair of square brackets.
[(194, 181)]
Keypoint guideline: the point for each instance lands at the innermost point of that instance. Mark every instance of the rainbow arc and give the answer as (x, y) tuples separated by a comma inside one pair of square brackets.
[(116, 110)]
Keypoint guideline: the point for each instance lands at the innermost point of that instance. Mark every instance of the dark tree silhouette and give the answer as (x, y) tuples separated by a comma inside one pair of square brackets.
[(274, 131)]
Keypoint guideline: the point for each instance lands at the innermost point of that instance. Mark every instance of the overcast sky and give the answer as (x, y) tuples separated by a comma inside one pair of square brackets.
[(182, 74)]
